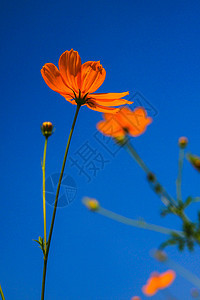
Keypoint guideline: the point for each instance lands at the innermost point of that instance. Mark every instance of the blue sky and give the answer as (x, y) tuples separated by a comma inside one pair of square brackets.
[(147, 47)]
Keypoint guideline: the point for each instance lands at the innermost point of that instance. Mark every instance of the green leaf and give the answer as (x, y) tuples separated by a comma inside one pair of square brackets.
[(37, 241), (188, 229), (40, 240), (169, 242), (188, 201), (181, 245), (190, 245), (165, 212), (41, 243)]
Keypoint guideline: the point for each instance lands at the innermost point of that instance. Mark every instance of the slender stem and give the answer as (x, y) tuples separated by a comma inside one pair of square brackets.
[(137, 158), (196, 199), (56, 202), (44, 193), (135, 223), (179, 177), (1, 293), (163, 192), (141, 163), (44, 277)]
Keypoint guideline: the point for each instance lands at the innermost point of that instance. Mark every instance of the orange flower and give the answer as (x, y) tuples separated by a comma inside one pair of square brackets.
[(77, 82), (125, 122), (158, 281)]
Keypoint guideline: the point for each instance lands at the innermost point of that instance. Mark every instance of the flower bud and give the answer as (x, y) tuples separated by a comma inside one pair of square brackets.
[(151, 177), (182, 142), (158, 188), (160, 255), (195, 161), (91, 204), (47, 129), (195, 293)]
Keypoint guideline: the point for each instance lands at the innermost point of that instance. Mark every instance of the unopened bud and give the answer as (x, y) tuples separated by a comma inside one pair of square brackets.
[(195, 293), (158, 188), (195, 161), (182, 142), (151, 177), (47, 129), (160, 255), (91, 204)]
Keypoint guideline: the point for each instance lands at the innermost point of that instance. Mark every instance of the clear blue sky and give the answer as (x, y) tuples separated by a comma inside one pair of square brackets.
[(151, 47)]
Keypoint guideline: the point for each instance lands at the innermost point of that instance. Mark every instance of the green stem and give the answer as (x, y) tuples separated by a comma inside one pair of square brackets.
[(135, 223), (196, 199), (179, 177), (141, 163), (44, 194), (56, 202), (1, 293), (162, 192)]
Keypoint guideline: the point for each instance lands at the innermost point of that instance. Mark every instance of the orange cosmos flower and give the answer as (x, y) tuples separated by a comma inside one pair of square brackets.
[(125, 122), (77, 82), (158, 281)]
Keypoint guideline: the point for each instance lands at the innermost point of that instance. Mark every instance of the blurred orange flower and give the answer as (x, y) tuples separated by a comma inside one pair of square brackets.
[(158, 281), (125, 122), (76, 82)]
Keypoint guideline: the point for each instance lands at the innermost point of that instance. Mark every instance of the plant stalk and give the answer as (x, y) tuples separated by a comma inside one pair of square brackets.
[(56, 202)]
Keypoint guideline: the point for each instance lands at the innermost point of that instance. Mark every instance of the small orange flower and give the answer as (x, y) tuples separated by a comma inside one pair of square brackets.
[(77, 82), (125, 122), (158, 281)]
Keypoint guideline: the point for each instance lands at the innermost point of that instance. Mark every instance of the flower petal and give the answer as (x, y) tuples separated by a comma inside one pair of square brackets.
[(53, 79), (114, 96), (111, 102), (110, 128), (100, 108), (151, 287), (70, 69), (149, 290), (135, 121), (92, 76), (124, 121), (166, 279)]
